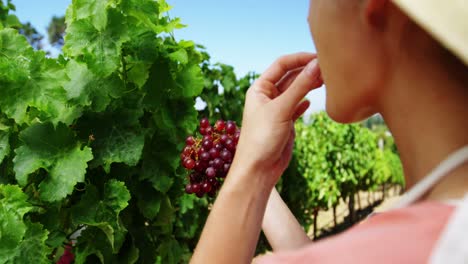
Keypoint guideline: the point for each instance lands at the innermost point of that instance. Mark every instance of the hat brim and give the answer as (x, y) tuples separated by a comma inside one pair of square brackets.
[(446, 21)]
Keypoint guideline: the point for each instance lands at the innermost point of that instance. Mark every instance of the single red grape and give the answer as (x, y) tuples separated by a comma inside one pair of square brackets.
[(210, 172), (187, 150), (199, 166), (226, 155), (196, 187), (219, 125), (206, 187), (230, 145), (189, 163), (190, 141), (214, 153), (204, 122), (219, 146), (205, 156), (218, 163), (224, 138), (202, 130), (207, 144), (231, 127), (189, 188)]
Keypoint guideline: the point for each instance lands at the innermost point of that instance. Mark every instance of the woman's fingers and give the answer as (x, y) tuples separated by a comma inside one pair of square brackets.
[(288, 79), (300, 109), (285, 64), (307, 80), (281, 74)]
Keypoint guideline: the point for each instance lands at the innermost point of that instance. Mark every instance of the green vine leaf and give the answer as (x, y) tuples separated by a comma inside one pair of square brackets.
[(87, 89), (13, 206), (32, 81), (33, 248), (95, 10), (56, 151), (103, 213), (4, 144), (118, 137), (101, 48)]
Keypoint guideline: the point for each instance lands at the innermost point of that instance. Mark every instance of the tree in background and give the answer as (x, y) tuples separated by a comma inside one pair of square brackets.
[(32, 35), (56, 31)]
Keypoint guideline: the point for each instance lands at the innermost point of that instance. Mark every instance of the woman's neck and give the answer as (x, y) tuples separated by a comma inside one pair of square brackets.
[(426, 110)]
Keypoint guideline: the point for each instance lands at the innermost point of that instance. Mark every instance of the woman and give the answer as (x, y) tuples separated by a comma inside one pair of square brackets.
[(403, 59)]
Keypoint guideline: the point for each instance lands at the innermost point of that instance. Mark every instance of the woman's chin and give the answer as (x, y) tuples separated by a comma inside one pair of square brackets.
[(347, 115)]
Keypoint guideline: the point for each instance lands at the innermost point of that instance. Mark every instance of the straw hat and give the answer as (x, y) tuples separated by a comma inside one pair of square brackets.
[(445, 20)]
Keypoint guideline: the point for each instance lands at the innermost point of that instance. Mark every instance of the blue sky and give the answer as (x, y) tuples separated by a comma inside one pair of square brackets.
[(246, 34)]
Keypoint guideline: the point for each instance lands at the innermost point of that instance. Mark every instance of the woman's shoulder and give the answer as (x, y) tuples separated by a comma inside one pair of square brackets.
[(404, 235)]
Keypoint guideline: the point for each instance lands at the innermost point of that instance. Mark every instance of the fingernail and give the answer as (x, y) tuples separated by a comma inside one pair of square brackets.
[(311, 67)]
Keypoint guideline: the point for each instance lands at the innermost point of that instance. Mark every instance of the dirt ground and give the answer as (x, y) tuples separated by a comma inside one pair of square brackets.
[(325, 218)]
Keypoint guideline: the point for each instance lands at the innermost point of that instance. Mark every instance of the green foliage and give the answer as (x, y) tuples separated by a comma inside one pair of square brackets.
[(224, 93), (100, 216), (20, 240), (7, 19), (32, 84), (33, 246), (55, 151), (395, 167), (90, 141), (333, 162)]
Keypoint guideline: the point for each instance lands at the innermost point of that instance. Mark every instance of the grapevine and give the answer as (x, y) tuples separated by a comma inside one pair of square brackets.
[(208, 158)]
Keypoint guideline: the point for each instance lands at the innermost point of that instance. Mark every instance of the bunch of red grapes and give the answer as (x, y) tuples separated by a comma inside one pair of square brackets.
[(209, 157)]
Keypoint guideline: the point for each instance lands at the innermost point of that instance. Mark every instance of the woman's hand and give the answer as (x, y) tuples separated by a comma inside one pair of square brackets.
[(272, 105)]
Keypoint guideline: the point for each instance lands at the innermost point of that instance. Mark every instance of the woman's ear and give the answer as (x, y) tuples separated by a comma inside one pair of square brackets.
[(374, 13)]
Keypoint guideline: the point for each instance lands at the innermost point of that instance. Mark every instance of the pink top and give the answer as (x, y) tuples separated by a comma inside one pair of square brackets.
[(405, 235)]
